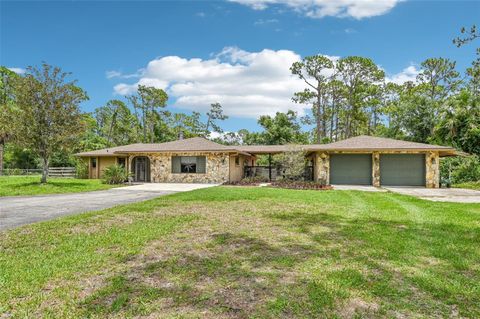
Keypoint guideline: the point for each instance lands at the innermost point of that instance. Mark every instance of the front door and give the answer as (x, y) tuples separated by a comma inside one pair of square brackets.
[(140, 169)]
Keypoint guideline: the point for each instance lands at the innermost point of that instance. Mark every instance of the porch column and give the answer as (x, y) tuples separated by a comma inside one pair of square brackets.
[(432, 165), (322, 168), (376, 169)]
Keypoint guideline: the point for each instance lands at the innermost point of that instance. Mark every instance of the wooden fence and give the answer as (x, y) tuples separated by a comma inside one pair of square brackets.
[(61, 171), (52, 171)]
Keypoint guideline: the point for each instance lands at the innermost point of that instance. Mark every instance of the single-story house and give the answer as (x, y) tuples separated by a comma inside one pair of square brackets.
[(361, 160)]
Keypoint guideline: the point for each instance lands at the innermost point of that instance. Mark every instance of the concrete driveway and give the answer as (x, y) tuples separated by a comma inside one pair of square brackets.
[(21, 210), (455, 195)]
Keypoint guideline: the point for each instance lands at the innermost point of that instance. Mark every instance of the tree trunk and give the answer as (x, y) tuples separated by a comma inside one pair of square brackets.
[(2, 145), (45, 171)]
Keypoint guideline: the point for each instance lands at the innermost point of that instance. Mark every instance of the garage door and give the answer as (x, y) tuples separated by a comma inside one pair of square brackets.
[(351, 169), (402, 170)]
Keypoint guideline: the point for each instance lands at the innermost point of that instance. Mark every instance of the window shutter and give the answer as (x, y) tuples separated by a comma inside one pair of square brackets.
[(176, 164), (201, 164)]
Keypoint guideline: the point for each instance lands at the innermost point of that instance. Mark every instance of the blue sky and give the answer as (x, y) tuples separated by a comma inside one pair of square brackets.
[(237, 53)]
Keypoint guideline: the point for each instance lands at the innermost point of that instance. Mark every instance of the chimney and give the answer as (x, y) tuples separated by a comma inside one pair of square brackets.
[(180, 135)]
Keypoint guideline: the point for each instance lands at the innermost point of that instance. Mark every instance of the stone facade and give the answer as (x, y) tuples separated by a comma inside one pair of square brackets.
[(322, 168), (376, 169), (432, 162), (217, 168)]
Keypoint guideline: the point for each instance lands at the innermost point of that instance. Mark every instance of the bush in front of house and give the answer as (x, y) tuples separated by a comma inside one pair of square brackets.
[(250, 181), (299, 185), (115, 174)]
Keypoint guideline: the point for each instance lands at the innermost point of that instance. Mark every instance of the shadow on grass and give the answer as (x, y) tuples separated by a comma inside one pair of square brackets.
[(387, 268)]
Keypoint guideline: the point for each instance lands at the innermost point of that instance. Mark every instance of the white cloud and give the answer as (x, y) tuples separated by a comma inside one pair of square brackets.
[(17, 70), (357, 9), (247, 84), (117, 74), (408, 74), (350, 31), (265, 21), (200, 14)]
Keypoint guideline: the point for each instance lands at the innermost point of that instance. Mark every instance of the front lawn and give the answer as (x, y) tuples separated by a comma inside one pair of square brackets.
[(30, 185), (468, 185), (229, 252)]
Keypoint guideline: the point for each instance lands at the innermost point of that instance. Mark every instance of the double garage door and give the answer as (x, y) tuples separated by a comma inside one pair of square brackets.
[(395, 169)]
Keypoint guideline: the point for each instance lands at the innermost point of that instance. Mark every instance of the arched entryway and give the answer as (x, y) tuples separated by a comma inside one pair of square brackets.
[(141, 169)]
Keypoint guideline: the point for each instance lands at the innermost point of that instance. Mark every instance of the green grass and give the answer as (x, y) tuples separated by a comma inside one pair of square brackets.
[(230, 252), (469, 185), (30, 185)]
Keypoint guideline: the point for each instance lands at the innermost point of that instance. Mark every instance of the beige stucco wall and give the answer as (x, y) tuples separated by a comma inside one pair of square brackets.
[(236, 171), (104, 162), (217, 168)]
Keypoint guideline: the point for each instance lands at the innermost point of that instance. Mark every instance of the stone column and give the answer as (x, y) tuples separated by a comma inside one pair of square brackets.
[(322, 168), (376, 169), (432, 162)]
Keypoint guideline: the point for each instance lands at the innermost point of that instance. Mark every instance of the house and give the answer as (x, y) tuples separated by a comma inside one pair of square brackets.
[(361, 160)]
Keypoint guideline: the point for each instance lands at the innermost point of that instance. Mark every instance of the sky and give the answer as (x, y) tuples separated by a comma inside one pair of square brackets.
[(234, 52)]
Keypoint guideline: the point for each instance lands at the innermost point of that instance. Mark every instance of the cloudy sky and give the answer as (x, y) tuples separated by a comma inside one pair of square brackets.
[(234, 52)]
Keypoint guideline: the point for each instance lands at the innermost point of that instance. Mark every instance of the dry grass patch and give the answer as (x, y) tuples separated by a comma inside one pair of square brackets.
[(253, 253)]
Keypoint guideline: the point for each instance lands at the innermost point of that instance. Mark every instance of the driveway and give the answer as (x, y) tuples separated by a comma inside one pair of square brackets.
[(455, 195), (21, 210)]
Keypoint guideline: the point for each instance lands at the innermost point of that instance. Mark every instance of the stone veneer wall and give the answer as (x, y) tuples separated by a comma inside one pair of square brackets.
[(322, 168), (432, 162), (217, 168), (376, 169)]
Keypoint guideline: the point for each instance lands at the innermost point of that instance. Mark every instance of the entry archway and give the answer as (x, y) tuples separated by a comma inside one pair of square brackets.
[(141, 169)]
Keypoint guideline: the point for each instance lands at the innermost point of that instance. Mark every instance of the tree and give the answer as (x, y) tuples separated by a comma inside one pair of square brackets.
[(282, 129), (50, 117), (459, 123), (438, 78), (146, 103), (470, 35), (215, 114), (358, 75), (315, 71), (293, 163), (116, 123), (188, 125), (7, 108)]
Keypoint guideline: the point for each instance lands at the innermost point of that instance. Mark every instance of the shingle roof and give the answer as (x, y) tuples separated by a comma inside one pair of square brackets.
[(198, 144), (265, 149), (364, 142)]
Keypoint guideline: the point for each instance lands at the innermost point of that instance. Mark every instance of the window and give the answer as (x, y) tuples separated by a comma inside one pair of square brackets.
[(121, 162), (189, 164), (94, 163), (237, 160)]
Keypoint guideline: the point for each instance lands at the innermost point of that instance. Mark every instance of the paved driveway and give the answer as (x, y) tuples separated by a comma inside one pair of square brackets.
[(456, 195), (16, 211)]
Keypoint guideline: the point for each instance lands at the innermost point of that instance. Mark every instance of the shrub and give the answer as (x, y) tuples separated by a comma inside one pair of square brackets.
[(81, 169), (293, 164), (300, 185), (460, 169), (115, 174)]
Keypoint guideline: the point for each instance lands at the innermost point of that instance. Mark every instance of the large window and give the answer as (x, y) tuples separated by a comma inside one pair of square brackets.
[(189, 164)]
